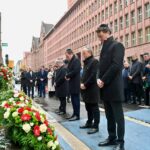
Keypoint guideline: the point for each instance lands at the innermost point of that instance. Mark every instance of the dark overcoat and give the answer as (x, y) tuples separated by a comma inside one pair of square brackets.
[(110, 70), (61, 82), (91, 93), (73, 73)]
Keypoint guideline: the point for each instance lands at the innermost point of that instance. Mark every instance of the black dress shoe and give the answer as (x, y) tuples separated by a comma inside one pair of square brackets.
[(70, 117), (57, 112), (119, 146), (74, 118), (86, 126), (61, 113), (93, 131), (108, 142)]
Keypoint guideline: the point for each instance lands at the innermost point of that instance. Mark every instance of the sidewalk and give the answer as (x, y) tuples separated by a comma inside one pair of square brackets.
[(72, 138)]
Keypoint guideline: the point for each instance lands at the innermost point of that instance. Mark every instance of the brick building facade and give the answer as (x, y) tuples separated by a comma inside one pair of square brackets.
[(129, 20)]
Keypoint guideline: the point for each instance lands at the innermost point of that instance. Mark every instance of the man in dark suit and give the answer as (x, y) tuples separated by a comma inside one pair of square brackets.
[(90, 91), (42, 75), (136, 79), (110, 82), (73, 76), (61, 86), (31, 82)]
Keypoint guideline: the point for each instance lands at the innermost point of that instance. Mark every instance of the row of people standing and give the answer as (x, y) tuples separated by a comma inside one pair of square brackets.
[(137, 80), (99, 79), (30, 79)]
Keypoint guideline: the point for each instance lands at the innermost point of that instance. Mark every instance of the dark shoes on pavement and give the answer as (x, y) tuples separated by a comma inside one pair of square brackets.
[(61, 113), (119, 146), (74, 118), (93, 131), (108, 142)]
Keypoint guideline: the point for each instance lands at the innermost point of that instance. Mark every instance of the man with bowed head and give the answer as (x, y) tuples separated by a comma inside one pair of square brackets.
[(73, 77), (110, 82)]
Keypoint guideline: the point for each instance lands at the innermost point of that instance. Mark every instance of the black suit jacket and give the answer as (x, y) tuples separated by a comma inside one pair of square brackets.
[(73, 73), (110, 70), (31, 77)]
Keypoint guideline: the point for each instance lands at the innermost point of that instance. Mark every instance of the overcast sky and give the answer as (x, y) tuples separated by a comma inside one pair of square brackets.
[(21, 19)]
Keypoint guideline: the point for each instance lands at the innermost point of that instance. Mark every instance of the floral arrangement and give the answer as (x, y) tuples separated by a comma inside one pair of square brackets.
[(26, 126), (5, 77)]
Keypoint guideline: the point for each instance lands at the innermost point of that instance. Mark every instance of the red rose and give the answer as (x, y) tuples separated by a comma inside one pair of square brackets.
[(36, 130), (25, 117), (28, 108), (17, 102), (7, 105), (50, 131), (20, 110), (46, 122), (37, 115)]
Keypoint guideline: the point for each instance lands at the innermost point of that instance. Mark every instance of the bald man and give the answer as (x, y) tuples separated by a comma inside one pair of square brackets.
[(89, 90)]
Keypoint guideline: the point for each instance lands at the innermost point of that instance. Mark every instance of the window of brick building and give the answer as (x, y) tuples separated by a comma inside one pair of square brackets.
[(111, 26), (96, 20), (103, 17), (115, 7), (102, 1), (110, 10), (106, 13), (127, 40), (99, 18), (140, 37), (116, 25), (120, 4), (121, 23), (133, 17), (121, 39), (148, 34), (133, 39), (126, 2), (147, 10), (139, 14), (127, 20)]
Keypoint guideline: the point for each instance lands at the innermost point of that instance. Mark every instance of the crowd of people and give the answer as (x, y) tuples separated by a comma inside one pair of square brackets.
[(136, 79), (105, 79)]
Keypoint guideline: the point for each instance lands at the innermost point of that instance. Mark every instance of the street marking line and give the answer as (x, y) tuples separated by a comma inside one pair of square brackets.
[(128, 118)]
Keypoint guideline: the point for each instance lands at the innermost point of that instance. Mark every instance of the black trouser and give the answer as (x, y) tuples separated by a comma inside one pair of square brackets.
[(127, 95), (51, 93), (31, 89), (93, 113), (115, 120), (75, 99), (62, 106), (137, 92), (24, 88), (147, 92)]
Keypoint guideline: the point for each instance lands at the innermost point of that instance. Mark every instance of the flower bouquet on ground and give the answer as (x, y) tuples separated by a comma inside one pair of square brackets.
[(25, 125), (5, 78)]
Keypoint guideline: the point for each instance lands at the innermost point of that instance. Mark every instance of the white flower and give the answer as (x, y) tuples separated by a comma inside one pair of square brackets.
[(16, 95), (6, 114), (42, 119), (49, 144), (39, 138), (3, 103), (22, 98), (26, 127), (11, 99), (21, 105), (31, 124), (56, 143), (54, 147), (25, 112), (43, 128), (15, 114)]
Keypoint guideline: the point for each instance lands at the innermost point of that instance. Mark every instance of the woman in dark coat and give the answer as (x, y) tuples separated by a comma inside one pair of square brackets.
[(61, 87)]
